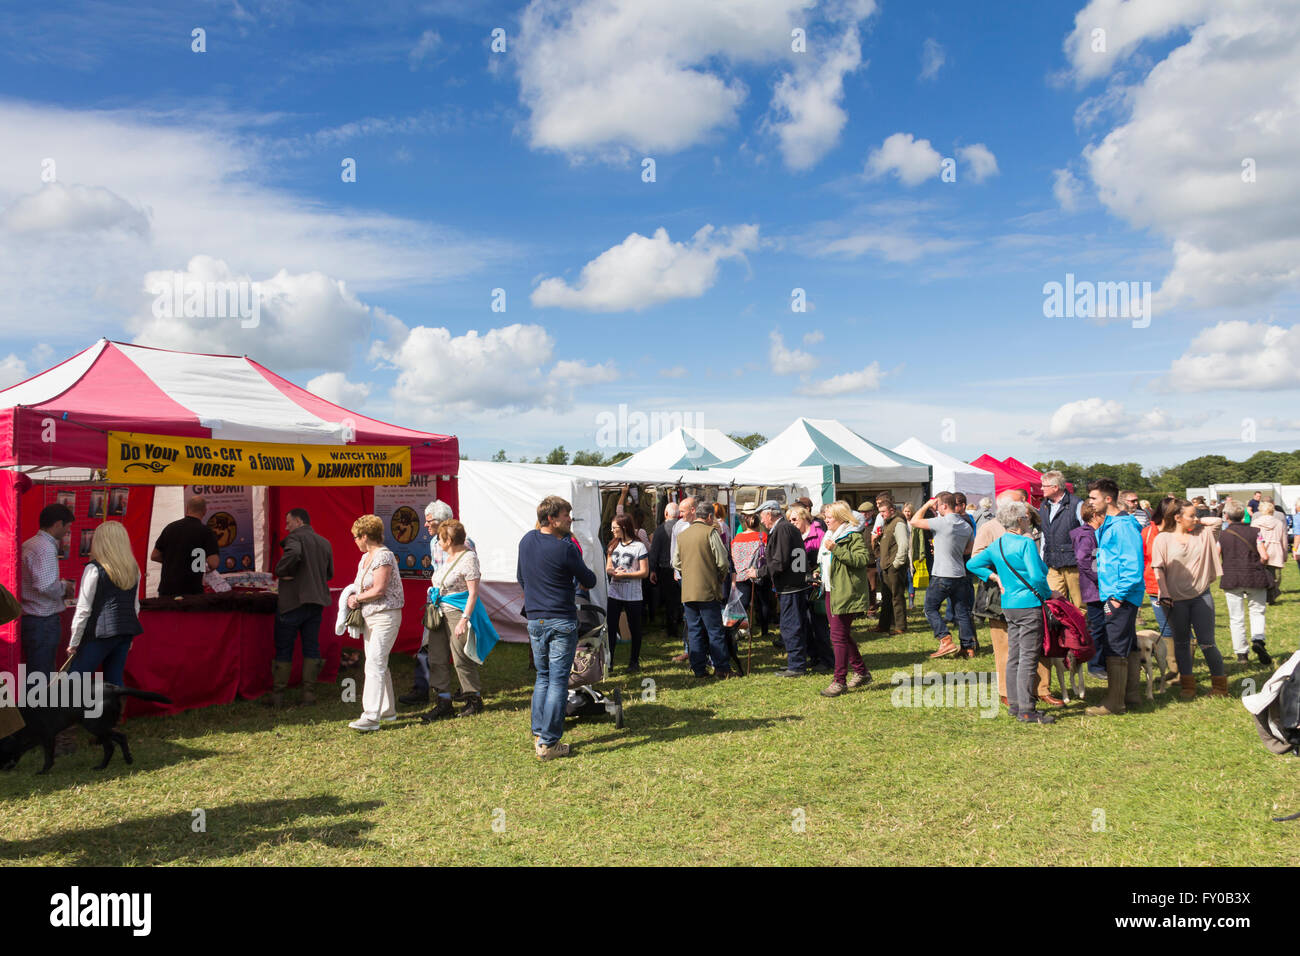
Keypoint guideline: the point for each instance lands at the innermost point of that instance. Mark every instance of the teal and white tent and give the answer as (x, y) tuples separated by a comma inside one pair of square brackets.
[(829, 454), (687, 448)]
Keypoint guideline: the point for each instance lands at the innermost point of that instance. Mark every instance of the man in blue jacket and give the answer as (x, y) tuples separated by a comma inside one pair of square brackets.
[(1119, 565), (549, 570)]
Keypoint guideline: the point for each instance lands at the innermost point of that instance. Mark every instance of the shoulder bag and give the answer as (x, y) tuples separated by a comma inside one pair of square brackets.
[(432, 611)]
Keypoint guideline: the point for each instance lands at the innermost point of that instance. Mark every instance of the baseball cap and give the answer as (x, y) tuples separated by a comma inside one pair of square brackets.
[(769, 505)]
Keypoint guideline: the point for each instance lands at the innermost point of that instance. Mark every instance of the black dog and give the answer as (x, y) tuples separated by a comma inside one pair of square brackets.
[(43, 724)]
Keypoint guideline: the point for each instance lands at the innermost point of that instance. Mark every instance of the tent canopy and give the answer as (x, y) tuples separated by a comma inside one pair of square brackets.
[(949, 473), (1005, 479), (824, 441), (132, 388), (1033, 476), (687, 448)]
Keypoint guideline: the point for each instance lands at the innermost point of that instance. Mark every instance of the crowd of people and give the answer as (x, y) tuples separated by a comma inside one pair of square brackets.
[(807, 574)]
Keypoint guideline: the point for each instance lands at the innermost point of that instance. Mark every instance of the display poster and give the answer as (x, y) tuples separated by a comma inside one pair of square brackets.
[(402, 511), (230, 516)]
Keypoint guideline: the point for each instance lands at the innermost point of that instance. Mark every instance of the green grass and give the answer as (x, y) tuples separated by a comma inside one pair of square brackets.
[(711, 773)]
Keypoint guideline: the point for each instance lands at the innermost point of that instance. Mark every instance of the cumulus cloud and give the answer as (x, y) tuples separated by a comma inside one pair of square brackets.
[(813, 337), (1205, 143), (866, 380), (504, 370), (1093, 419), (601, 77), (424, 48), (932, 58), (303, 320), (56, 208), (910, 159), (1067, 189), (12, 371), (980, 161), (645, 271), (786, 361), (677, 371), (806, 104), (1238, 356), (336, 387)]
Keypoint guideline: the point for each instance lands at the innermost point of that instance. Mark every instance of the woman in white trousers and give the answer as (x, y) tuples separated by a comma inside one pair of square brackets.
[(379, 595)]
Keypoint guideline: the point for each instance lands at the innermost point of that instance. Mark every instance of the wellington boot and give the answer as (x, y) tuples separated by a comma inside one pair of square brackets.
[(1188, 691), (310, 671), (1171, 675), (279, 681), (1133, 686), (1219, 686), (1117, 669)]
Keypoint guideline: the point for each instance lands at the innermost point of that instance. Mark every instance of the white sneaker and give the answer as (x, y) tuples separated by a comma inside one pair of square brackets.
[(365, 725), (389, 719)]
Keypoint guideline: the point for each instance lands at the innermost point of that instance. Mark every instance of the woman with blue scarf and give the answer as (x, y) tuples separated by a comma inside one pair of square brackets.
[(843, 561), (465, 634)]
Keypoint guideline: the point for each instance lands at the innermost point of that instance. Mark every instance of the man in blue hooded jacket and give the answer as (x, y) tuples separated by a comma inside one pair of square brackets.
[(1119, 565)]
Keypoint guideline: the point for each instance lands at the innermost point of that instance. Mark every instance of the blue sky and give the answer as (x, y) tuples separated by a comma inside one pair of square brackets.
[(820, 170)]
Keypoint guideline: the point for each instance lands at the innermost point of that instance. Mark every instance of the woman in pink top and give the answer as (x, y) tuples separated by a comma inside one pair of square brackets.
[(1185, 559)]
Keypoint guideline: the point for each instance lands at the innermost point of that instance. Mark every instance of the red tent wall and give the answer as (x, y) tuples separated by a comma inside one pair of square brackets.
[(10, 547)]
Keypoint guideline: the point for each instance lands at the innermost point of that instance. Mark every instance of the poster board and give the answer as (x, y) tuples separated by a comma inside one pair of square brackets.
[(401, 508), (230, 516)]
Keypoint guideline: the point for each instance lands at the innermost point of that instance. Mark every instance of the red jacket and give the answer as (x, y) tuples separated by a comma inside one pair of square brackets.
[(1149, 575)]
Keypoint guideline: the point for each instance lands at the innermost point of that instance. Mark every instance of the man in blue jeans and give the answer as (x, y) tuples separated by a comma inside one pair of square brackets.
[(953, 535), (42, 589), (550, 569)]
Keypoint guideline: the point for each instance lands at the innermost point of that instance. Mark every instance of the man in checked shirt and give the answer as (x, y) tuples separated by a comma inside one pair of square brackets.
[(43, 591)]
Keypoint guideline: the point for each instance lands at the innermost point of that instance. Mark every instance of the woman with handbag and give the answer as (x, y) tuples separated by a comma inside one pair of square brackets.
[(378, 603), (448, 627), (843, 561), (108, 605), (1013, 563), (1245, 584), (1185, 559), (627, 564)]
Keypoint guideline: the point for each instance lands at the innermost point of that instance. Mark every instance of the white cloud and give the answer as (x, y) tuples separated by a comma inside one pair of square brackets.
[(307, 320), (336, 387), (1067, 189), (677, 371), (1174, 164), (866, 380), (12, 370), (980, 159), (56, 208), (888, 245), (813, 337), (787, 361), (1093, 419), (429, 42), (502, 370), (912, 160), (807, 105), (932, 58), (601, 77), (641, 272), (1238, 356)]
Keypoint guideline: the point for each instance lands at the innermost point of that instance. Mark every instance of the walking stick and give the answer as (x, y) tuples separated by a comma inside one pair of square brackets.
[(71, 654)]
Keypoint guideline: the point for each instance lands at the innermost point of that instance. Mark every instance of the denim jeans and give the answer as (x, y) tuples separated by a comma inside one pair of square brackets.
[(554, 642), (1161, 619), (1195, 615), (706, 641), (305, 620), (40, 636), (108, 653), (957, 591)]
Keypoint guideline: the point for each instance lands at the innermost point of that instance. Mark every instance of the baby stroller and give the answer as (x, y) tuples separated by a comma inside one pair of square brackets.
[(590, 665)]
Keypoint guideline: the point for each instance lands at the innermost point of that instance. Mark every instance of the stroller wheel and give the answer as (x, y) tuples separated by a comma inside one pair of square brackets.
[(618, 709)]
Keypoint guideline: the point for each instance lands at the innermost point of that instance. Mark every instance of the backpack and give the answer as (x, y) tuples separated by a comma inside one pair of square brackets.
[(1065, 631)]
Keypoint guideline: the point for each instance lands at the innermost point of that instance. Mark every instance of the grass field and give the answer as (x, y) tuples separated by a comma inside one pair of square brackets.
[(755, 771)]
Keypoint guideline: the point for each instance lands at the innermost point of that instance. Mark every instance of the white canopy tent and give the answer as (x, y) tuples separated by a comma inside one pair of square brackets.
[(949, 473), (692, 448)]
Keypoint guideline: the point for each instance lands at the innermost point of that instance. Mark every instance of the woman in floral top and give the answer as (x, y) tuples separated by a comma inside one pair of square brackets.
[(379, 595)]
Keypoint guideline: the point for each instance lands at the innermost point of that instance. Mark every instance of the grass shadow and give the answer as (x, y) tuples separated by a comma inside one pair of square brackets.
[(655, 723), (77, 768)]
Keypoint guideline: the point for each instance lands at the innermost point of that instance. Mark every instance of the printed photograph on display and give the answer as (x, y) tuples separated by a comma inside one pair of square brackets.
[(87, 535), (96, 504), (68, 499)]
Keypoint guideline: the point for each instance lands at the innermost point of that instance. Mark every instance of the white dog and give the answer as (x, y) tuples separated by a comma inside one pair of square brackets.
[(1069, 674), (1153, 659)]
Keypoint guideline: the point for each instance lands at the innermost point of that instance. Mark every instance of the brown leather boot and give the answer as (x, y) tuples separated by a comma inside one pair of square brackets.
[(1219, 686), (279, 681), (1133, 686), (1189, 687), (946, 648), (310, 672), (1117, 669)]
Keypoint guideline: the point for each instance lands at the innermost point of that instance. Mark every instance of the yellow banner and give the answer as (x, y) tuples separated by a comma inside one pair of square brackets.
[(167, 460)]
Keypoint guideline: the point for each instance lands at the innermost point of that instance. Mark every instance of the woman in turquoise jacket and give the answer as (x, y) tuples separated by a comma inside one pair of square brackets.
[(1012, 562)]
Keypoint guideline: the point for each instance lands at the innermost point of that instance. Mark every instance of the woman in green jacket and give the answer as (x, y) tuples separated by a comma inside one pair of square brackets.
[(844, 560)]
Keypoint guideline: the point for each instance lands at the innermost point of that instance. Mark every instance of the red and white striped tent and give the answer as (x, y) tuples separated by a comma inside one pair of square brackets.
[(60, 418)]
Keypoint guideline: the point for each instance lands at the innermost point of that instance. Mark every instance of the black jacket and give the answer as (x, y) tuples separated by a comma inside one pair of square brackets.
[(661, 546), (787, 559)]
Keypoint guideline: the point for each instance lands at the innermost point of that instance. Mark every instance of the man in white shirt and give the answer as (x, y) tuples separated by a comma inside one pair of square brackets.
[(43, 592)]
